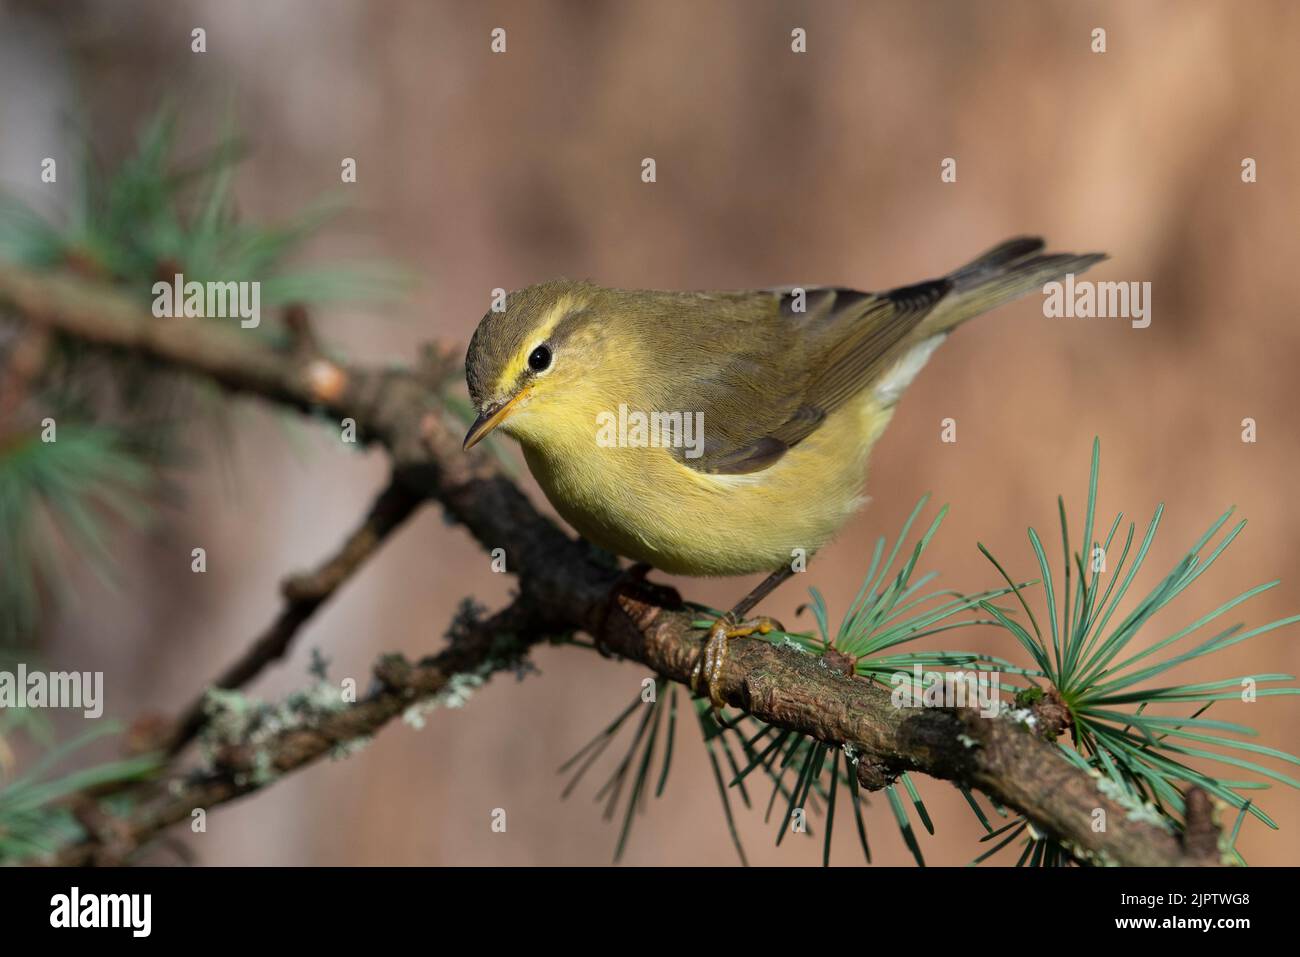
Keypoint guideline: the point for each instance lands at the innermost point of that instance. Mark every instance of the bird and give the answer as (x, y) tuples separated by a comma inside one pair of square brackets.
[(720, 433)]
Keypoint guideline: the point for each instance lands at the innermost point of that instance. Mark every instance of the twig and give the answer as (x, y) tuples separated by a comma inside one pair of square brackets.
[(303, 595)]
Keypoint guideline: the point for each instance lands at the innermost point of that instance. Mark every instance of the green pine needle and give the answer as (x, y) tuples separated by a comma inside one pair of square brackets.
[(1097, 671), (57, 501)]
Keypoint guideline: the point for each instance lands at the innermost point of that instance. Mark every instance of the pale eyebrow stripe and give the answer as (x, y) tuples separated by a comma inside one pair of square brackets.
[(562, 307)]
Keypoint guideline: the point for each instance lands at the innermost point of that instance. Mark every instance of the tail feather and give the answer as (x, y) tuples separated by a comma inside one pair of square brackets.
[(1002, 274), (996, 261)]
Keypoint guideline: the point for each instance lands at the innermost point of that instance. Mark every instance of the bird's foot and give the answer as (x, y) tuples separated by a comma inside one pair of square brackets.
[(707, 673)]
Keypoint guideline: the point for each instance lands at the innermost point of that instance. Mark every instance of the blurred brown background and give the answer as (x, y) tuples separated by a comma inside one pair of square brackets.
[(480, 170)]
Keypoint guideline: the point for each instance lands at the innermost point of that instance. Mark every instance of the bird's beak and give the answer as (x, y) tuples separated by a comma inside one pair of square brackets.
[(492, 416)]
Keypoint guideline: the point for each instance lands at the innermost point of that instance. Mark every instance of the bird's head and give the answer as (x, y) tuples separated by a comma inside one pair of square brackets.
[(523, 359)]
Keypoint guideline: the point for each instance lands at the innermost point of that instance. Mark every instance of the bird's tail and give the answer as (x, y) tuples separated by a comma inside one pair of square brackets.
[(1005, 272)]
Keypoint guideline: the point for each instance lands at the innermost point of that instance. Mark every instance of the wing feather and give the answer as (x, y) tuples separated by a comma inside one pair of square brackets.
[(776, 390), (788, 358)]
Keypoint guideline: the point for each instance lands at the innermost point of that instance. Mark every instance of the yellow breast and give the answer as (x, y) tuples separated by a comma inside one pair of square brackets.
[(644, 504)]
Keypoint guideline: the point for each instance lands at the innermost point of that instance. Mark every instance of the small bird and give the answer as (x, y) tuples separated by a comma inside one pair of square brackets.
[(719, 433)]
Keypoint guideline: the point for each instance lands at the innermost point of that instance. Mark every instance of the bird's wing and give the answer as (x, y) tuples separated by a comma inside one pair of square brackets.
[(790, 358), (788, 361)]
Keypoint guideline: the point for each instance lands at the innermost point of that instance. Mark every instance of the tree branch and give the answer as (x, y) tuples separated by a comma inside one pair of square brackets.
[(565, 585), (238, 767)]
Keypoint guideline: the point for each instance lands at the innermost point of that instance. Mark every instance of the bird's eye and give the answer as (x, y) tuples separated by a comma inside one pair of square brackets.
[(539, 359)]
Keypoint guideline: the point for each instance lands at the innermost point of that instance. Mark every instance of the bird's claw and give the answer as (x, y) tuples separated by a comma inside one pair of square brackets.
[(708, 668)]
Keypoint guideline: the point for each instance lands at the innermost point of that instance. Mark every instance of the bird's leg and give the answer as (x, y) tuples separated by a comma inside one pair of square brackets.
[(761, 591), (708, 669)]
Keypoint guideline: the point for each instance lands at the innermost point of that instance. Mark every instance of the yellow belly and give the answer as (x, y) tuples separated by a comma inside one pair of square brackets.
[(643, 504)]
